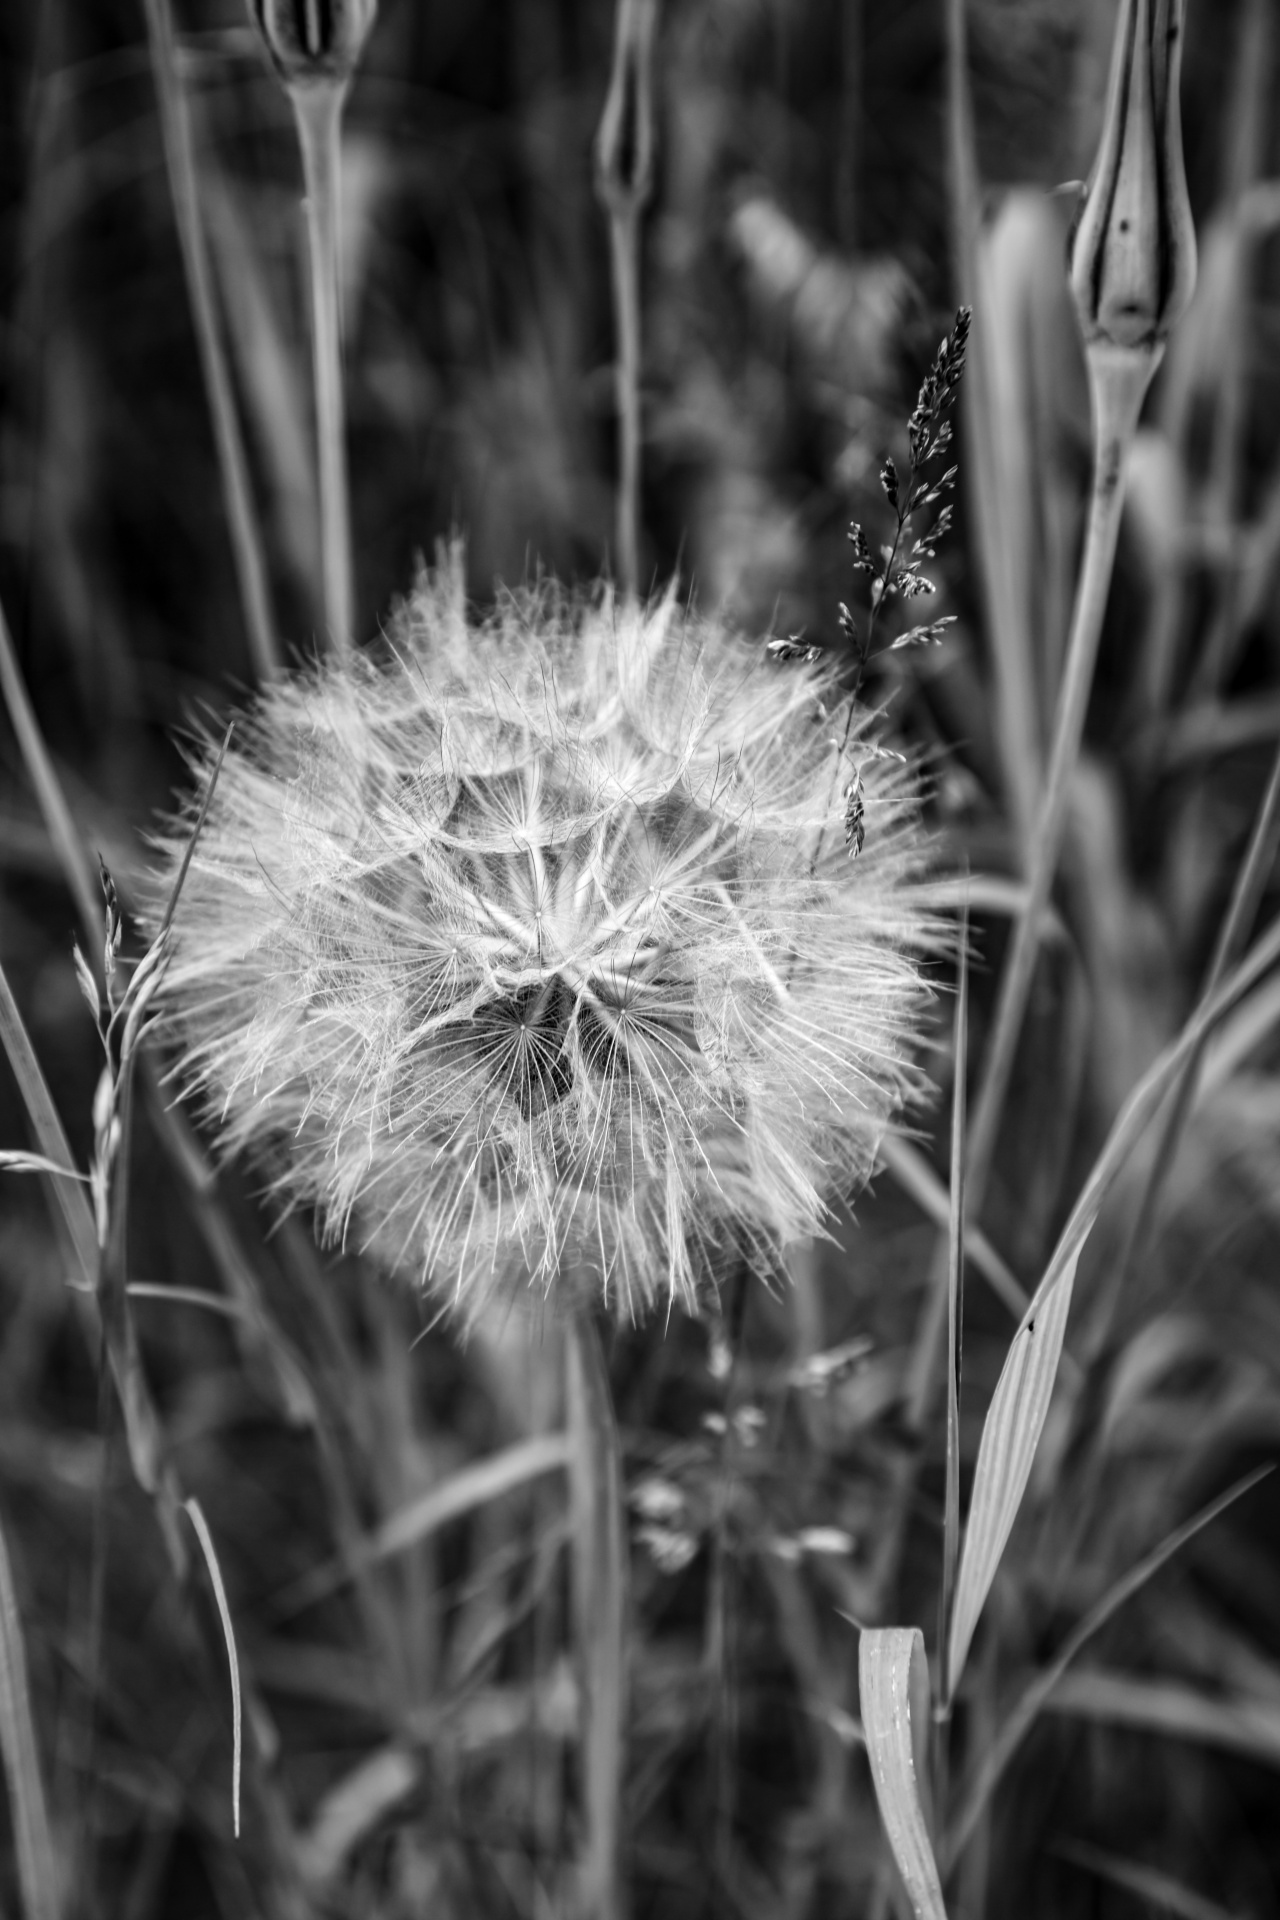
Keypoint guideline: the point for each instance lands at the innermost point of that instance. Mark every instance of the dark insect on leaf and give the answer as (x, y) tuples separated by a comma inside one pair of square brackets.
[(889, 481), (793, 648), (855, 826)]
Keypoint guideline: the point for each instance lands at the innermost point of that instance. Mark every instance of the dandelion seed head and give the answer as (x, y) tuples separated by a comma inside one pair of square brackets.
[(529, 951)]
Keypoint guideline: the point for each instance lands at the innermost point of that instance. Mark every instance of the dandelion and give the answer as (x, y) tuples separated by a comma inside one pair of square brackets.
[(507, 951)]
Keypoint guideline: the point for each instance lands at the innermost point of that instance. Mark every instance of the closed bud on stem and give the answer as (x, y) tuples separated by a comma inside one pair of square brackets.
[(1133, 251), (313, 42)]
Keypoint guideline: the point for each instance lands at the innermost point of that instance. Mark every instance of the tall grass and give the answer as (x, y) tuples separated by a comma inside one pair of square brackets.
[(532, 1623)]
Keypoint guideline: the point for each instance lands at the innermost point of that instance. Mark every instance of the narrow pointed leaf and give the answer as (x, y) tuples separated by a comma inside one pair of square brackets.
[(1009, 1439), (893, 1682), (1021, 1401), (196, 1516), (1043, 1686)]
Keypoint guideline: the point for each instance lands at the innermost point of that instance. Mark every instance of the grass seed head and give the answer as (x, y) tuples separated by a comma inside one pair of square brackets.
[(510, 952)]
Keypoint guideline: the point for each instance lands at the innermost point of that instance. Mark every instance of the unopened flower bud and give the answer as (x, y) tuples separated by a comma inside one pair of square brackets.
[(1133, 252), (312, 41)]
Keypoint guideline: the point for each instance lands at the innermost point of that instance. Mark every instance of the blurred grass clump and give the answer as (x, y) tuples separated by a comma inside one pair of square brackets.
[(390, 1511)]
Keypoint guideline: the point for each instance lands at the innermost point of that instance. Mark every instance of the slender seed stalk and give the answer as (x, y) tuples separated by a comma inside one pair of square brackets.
[(600, 1594), (318, 111), (955, 1332), (624, 231), (624, 181)]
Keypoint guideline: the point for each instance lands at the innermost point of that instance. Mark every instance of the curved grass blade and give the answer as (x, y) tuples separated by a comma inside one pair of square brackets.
[(1148, 1884), (470, 1487), (893, 1684), (1021, 1401), (203, 1535), (37, 1873), (920, 1183), (1172, 1710), (1019, 1722), (1009, 1440)]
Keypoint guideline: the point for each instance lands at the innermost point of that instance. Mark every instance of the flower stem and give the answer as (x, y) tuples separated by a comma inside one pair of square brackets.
[(600, 1595), (624, 180), (1118, 380), (318, 111)]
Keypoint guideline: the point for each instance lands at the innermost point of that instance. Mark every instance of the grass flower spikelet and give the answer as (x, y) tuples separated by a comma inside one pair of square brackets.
[(509, 950)]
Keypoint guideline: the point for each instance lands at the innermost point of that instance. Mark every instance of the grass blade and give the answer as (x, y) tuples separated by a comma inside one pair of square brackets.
[(1021, 1400), (37, 1872), (1147, 1884), (179, 150), (1237, 1723), (57, 815), (1246, 898), (893, 1684), (1009, 1439), (1019, 1722), (624, 179), (955, 1319), (318, 114), (461, 1493), (917, 1178), (198, 1521), (1017, 729), (599, 1585), (73, 1202)]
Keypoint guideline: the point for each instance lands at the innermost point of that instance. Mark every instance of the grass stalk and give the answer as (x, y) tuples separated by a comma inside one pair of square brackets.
[(179, 150), (1118, 382), (996, 1757), (599, 1587), (29, 1813), (955, 1320), (624, 180), (1017, 731), (318, 113), (1246, 897)]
